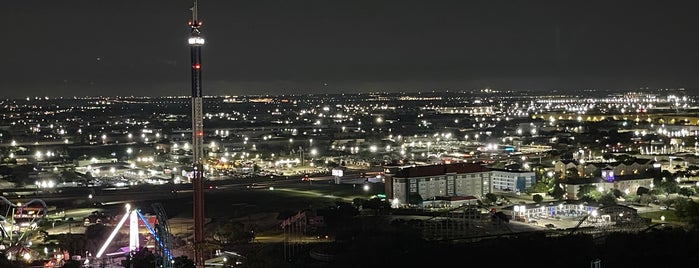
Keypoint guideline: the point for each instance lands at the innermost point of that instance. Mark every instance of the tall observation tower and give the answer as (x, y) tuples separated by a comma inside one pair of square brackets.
[(196, 41)]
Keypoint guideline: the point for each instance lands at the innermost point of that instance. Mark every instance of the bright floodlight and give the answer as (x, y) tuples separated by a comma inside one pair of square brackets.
[(395, 203), (112, 235), (133, 231), (128, 207), (196, 41)]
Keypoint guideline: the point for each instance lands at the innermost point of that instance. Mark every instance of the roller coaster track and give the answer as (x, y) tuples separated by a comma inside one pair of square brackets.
[(634, 221), (446, 214), (162, 230), (32, 223)]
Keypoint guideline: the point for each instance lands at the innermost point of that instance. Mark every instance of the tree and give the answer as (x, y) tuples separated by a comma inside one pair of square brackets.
[(73, 243), (5, 170), (617, 193), (20, 175), (658, 191), (689, 210), (500, 217), (642, 191), (686, 191), (572, 173), (692, 169), (538, 187), (497, 165), (69, 175), (4, 262), (184, 161), (607, 200), (608, 156), (645, 199), (95, 235), (588, 190), (625, 158), (491, 197), (567, 156), (71, 264), (539, 173), (182, 262), (670, 186), (346, 210), (357, 201), (143, 258), (558, 192), (538, 198), (231, 232), (415, 199), (587, 199), (376, 203)]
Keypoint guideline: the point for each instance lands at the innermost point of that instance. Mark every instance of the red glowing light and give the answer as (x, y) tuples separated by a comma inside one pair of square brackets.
[(197, 66), (200, 133)]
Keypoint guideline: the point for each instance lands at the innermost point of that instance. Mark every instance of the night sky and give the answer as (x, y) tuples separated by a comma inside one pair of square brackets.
[(130, 47)]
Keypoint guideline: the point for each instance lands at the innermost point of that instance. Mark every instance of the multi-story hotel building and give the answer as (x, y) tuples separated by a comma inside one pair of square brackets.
[(459, 179)]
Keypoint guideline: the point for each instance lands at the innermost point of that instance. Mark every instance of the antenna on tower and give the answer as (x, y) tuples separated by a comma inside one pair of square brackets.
[(195, 38), (194, 11), (195, 23)]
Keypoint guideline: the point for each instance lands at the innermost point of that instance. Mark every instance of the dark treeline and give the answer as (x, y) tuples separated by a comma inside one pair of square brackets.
[(668, 247)]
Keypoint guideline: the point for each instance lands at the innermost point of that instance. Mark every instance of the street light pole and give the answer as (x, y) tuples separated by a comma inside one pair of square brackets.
[(301, 154)]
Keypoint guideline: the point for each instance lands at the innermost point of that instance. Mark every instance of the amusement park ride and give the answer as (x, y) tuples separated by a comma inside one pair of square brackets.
[(160, 231), (18, 224), (21, 221)]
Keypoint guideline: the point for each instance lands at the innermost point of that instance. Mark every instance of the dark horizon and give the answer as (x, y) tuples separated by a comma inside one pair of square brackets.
[(88, 48)]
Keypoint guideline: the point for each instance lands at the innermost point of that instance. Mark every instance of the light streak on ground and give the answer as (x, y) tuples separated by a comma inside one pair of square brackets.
[(311, 193)]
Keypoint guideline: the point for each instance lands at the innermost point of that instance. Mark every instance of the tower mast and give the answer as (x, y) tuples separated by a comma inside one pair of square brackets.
[(196, 41)]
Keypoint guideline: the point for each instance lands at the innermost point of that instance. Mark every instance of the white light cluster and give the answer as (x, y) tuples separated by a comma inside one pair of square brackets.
[(196, 41), (45, 184)]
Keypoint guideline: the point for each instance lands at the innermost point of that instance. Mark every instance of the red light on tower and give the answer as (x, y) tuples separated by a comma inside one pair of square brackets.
[(196, 66)]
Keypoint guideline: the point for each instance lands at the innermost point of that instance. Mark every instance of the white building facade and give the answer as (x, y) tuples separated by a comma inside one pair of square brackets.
[(510, 180), (430, 182)]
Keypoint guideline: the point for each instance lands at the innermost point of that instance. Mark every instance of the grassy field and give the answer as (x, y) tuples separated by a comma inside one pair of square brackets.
[(655, 216), (294, 197), (261, 206)]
